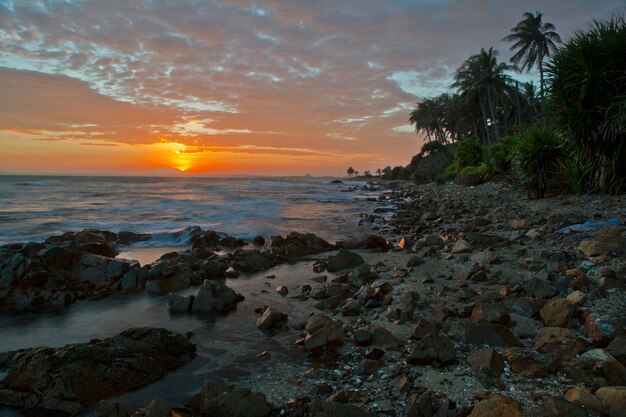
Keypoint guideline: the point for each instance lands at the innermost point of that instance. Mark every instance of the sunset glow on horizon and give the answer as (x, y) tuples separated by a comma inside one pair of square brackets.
[(231, 87)]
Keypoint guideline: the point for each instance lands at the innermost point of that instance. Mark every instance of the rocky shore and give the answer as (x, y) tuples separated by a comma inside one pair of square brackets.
[(460, 302)]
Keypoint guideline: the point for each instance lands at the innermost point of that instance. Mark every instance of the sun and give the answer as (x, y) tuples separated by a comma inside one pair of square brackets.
[(174, 154)]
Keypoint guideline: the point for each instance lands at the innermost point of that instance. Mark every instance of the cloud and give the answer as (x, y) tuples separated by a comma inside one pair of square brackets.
[(328, 76)]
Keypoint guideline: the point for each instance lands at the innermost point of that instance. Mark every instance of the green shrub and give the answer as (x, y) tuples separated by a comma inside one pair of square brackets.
[(468, 153), (573, 173), (501, 154), (448, 174), (418, 178), (474, 175), (587, 95), (536, 159), (435, 163), (400, 173)]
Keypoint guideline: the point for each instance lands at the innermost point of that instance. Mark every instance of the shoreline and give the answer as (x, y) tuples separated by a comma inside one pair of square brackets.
[(162, 209), (475, 277)]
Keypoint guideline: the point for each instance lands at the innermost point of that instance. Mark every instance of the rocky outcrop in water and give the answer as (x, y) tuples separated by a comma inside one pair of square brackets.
[(297, 245), (82, 265), (63, 269), (68, 379)]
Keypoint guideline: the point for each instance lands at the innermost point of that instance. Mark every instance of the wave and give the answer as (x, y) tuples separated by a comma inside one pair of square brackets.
[(164, 207), (49, 183)]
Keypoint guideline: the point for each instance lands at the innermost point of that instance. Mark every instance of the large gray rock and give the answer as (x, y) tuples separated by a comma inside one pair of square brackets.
[(73, 377), (374, 242), (433, 350), (297, 244), (491, 335), (402, 307), (221, 400), (596, 368), (178, 303), (215, 296), (101, 271), (344, 259)]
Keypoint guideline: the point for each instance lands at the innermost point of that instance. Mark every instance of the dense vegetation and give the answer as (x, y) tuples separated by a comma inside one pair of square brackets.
[(568, 138)]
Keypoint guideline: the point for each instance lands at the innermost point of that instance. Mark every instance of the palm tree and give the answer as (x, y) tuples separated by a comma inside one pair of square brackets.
[(350, 172), (428, 117), (482, 81), (379, 171), (534, 40)]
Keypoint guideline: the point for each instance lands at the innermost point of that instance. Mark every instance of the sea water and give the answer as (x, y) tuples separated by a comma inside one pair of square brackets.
[(35, 207)]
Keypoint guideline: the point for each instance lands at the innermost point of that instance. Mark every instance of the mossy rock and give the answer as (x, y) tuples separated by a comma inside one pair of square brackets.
[(470, 176)]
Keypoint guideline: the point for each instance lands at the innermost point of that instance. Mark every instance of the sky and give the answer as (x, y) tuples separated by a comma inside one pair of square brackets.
[(227, 87)]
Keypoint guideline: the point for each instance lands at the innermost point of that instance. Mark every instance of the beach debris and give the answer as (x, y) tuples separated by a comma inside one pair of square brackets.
[(589, 226)]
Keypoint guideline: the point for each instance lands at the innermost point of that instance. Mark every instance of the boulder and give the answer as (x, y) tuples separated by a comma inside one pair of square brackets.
[(524, 306), (596, 368), (402, 308), (100, 271), (71, 378), (344, 259), (433, 349), (539, 288), (297, 244), (376, 335), (558, 407), (374, 242), (601, 329), (178, 303), (585, 399), (487, 360), (425, 327), (169, 274), (461, 246), (370, 366), (488, 311), (271, 318), (617, 348), (335, 409), (363, 337), (611, 240), (529, 363), (556, 313), (421, 405), (473, 273), (322, 333), (361, 275), (497, 406), (577, 298), (384, 338), (614, 399), (351, 308), (248, 261), (558, 343), (223, 400), (491, 335), (215, 296)]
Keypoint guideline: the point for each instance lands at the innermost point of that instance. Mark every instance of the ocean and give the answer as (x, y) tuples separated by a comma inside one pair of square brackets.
[(35, 207)]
